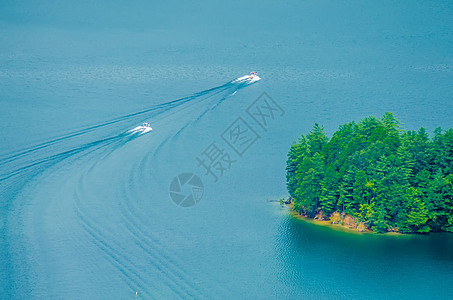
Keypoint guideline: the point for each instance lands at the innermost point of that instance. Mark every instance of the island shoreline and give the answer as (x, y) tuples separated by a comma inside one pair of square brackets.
[(337, 227)]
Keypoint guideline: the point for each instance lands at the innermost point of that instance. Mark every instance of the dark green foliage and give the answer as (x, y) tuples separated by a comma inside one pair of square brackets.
[(384, 176)]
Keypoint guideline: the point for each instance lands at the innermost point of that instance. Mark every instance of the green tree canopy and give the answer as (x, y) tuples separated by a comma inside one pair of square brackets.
[(375, 171)]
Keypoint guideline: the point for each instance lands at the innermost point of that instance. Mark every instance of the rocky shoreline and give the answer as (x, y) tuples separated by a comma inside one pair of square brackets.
[(341, 219), (336, 219)]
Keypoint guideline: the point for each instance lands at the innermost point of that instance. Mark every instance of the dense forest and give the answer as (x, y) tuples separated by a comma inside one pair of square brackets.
[(384, 177)]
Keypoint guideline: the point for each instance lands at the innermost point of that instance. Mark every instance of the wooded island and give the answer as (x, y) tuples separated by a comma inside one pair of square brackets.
[(376, 174)]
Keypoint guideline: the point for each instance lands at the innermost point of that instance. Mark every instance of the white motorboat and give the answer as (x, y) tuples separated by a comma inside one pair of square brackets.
[(253, 77), (142, 129)]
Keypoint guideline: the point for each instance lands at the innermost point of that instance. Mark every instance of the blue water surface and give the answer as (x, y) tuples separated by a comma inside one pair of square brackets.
[(85, 207)]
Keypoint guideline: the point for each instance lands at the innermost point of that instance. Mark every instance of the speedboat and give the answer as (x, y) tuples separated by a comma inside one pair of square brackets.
[(253, 77), (142, 129)]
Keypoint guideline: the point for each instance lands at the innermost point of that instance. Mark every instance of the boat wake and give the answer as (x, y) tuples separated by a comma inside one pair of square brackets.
[(65, 146), (81, 156)]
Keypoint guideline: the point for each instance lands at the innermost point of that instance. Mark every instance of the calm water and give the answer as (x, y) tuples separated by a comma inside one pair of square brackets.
[(85, 210)]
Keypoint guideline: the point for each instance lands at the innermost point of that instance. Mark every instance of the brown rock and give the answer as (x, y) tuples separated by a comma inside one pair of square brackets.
[(335, 218), (349, 221), (394, 229), (361, 227), (319, 215)]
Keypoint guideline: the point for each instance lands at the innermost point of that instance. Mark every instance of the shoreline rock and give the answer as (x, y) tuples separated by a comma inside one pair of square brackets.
[(336, 218)]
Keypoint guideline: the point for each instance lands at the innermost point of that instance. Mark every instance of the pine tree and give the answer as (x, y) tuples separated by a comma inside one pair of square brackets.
[(415, 214)]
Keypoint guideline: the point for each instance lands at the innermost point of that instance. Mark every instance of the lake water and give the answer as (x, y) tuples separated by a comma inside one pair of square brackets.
[(85, 207)]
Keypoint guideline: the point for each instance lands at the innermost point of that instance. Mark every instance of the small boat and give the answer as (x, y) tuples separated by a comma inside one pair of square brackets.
[(142, 129), (253, 77)]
